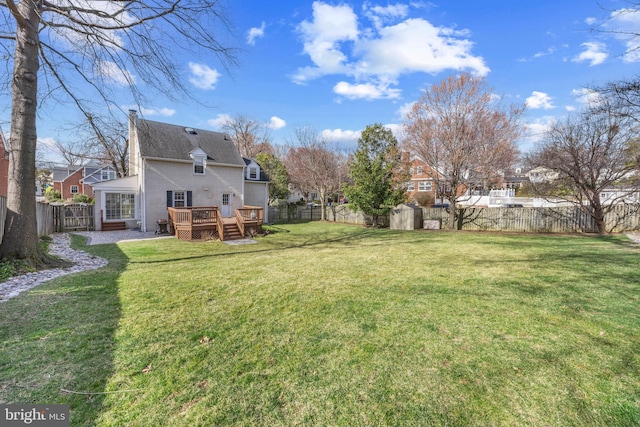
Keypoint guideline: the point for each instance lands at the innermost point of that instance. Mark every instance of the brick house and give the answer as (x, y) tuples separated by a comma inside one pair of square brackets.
[(423, 184), (72, 180)]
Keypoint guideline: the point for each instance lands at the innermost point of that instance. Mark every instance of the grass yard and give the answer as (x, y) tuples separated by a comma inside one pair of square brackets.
[(324, 324)]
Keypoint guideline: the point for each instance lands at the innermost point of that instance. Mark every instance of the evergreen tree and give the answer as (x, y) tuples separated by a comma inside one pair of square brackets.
[(278, 176), (376, 173)]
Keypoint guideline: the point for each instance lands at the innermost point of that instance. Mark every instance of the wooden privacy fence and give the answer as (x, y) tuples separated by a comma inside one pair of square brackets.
[(55, 218), (570, 219), (335, 213)]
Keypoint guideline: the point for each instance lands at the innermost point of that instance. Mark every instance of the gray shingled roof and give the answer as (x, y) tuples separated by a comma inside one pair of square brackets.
[(165, 141), (263, 175)]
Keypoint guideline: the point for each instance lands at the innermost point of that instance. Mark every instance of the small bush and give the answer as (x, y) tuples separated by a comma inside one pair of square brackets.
[(425, 199), (10, 268), (52, 195), (82, 198)]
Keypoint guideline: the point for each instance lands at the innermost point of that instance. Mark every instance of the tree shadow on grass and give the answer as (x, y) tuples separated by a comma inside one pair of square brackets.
[(57, 340)]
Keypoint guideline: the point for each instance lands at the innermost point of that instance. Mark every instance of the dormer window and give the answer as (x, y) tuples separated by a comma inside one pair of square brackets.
[(253, 173), (199, 161), (198, 165)]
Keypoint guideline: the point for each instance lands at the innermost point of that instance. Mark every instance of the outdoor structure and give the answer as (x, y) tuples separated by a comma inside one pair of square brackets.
[(73, 179), (405, 217), (194, 180)]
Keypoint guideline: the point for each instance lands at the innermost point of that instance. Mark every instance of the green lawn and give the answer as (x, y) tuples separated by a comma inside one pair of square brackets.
[(323, 324)]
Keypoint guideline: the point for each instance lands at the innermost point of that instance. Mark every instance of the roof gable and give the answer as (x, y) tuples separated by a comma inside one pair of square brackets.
[(172, 142)]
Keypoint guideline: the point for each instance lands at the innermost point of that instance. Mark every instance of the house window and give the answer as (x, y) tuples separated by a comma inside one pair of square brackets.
[(419, 170), (74, 189), (179, 200), (108, 174), (411, 187), (118, 206), (198, 166), (424, 186), (411, 170), (253, 173)]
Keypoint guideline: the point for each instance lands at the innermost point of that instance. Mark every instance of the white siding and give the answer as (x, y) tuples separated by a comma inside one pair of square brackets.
[(207, 189)]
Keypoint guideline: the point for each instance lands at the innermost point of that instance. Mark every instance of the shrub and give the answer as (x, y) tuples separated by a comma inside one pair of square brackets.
[(82, 198), (52, 195), (424, 199)]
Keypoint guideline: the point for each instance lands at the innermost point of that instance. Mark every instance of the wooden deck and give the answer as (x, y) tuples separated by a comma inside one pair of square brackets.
[(206, 223)]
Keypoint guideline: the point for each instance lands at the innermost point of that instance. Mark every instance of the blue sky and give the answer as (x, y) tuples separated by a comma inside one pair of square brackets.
[(339, 66)]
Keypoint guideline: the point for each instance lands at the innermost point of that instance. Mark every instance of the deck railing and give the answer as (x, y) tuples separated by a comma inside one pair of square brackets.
[(184, 221), (249, 216), (189, 222), (220, 224)]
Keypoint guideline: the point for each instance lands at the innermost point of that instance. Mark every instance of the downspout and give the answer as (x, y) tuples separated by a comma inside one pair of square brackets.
[(143, 204), (244, 177)]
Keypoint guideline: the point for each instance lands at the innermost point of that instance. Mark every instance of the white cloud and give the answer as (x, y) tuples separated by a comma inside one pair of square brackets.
[(204, 77), (595, 53), (338, 44), (48, 143), (381, 14), (535, 131), (331, 25), (276, 123), (549, 51), (586, 96), (111, 71), (341, 136), (625, 25), (220, 120), (539, 100), (366, 91), (590, 21), (255, 33), (415, 45), (164, 112), (405, 109)]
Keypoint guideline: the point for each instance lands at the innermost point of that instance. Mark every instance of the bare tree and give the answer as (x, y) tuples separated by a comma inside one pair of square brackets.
[(78, 50), (250, 136), (627, 91), (314, 165), (464, 133), (590, 153), (101, 141)]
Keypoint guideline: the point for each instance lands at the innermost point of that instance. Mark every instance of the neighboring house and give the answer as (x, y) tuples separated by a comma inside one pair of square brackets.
[(424, 180), (517, 178), (177, 166), (4, 165), (541, 174), (73, 179)]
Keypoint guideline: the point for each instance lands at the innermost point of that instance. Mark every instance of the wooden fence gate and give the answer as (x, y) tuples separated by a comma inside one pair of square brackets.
[(76, 217)]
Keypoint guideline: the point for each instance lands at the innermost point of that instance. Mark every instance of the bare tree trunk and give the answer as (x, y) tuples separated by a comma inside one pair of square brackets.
[(598, 216), (21, 233)]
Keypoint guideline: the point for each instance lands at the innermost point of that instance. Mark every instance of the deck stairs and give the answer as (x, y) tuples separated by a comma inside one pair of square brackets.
[(231, 230)]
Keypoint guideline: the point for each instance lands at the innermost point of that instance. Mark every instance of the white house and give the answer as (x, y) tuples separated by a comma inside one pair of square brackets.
[(176, 166)]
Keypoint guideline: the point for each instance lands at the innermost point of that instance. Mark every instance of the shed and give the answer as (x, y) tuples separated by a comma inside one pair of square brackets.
[(405, 216)]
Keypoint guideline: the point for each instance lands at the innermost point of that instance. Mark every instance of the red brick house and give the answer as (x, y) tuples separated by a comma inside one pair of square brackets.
[(72, 180), (423, 185), (4, 165)]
